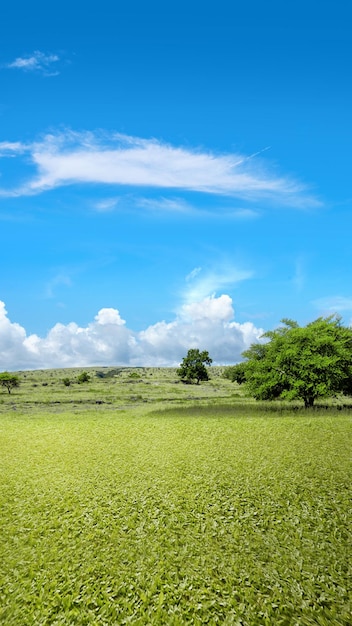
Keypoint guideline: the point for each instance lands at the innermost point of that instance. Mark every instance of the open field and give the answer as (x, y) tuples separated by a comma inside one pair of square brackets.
[(143, 501), (114, 388)]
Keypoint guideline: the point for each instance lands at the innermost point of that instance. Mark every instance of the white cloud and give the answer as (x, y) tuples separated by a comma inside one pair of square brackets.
[(245, 214), (11, 148), (12, 340), (193, 273), (109, 316), (204, 283), (106, 205), (208, 325), (299, 275), (334, 304), (174, 205), (85, 158), (36, 62), (179, 205), (57, 281), (211, 308)]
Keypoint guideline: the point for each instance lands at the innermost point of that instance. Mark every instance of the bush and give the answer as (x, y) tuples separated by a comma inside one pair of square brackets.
[(83, 378), (236, 373)]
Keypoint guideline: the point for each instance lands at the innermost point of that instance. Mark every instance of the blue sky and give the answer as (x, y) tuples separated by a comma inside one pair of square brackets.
[(172, 175)]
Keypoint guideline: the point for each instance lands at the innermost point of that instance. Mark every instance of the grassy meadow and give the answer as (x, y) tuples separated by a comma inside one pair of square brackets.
[(135, 499)]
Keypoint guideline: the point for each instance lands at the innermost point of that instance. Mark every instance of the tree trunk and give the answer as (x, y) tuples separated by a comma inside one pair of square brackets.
[(308, 402)]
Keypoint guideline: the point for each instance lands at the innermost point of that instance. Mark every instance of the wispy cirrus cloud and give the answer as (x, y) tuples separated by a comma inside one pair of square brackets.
[(59, 280), (12, 148), (37, 62), (193, 273), (174, 205), (179, 205), (299, 277), (245, 214), (106, 205), (205, 283), (70, 158), (334, 304)]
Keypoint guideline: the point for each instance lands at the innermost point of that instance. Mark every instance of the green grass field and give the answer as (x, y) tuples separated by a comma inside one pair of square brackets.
[(170, 504)]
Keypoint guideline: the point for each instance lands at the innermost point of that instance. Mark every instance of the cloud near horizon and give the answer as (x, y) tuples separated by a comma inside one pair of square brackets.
[(114, 159), (207, 324)]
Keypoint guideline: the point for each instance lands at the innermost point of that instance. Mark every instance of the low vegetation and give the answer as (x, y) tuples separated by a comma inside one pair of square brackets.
[(139, 500)]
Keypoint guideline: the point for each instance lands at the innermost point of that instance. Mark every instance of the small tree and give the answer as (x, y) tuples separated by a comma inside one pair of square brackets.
[(10, 381), (83, 378), (193, 366), (301, 362)]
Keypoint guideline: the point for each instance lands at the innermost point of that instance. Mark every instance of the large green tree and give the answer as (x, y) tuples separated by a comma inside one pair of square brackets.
[(306, 363), (193, 366), (10, 381)]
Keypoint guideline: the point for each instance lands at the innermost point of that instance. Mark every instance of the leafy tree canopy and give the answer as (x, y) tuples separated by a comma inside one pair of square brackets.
[(193, 366), (10, 381), (236, 373), (305, 363)]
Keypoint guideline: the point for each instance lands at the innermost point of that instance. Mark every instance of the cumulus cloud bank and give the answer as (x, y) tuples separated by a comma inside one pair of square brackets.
[(85, 158), (207, 324)]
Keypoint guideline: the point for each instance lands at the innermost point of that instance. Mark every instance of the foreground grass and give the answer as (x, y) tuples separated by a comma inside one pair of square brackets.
[(170, 519)]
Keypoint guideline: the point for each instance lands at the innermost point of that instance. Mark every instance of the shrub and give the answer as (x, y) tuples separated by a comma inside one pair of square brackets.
[(83, 378)]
